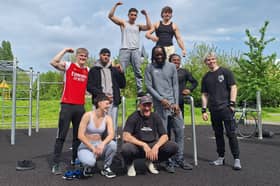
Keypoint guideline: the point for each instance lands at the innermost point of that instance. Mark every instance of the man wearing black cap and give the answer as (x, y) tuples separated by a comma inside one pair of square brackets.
[(145, 137), (104, 78)]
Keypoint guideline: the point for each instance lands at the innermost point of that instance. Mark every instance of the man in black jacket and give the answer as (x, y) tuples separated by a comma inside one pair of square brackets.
[(104, 78)]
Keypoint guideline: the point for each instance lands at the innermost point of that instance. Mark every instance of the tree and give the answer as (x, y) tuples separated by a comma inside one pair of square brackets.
[(258, 72), (196, 66), (52, 87), (6, 51)]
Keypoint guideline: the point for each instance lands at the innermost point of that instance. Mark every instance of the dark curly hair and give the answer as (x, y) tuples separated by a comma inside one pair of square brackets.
[(99, 98), (153, 53)]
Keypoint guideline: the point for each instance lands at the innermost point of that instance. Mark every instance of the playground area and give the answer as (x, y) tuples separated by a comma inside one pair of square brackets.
[(259, 158)]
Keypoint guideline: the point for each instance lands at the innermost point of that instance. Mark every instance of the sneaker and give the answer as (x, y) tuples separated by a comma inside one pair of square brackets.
[(56, 169), (237, 165), (108, 173), (87, 171), (220, 161), (25, 165), (68, 175), (184, 165), (131, 170), (75, 162), (151, 167), (170, 168)]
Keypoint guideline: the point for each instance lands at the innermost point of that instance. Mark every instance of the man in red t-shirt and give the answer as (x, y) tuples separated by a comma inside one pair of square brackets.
[(72, 101)]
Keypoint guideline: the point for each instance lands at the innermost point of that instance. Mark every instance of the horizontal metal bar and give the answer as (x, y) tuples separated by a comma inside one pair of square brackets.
[(20, 115), (51, 83)]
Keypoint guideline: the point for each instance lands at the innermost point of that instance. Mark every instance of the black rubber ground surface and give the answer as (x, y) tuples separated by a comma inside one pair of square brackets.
[(260, 161)]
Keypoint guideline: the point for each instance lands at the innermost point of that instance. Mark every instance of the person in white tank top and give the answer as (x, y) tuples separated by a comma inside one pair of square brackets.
[(129, 51)]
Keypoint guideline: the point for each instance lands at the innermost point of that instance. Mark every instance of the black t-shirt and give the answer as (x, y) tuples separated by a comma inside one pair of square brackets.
[(217, 85), (147, 129), (185, 76)]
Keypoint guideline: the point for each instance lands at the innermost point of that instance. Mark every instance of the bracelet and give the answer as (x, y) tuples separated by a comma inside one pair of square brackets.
[(232, 103), (203, 110)]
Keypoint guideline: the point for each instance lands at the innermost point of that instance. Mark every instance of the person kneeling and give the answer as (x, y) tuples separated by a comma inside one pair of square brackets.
[(145, 137), (93, 126)]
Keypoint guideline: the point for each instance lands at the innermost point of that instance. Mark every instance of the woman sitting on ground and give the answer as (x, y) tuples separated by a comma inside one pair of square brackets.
[(94, 125)]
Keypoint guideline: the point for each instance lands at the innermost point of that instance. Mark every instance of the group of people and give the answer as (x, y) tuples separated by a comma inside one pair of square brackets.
[(147, 133)]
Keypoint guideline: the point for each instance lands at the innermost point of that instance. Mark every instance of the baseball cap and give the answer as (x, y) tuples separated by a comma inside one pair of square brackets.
[(145, 99), (105, 50)]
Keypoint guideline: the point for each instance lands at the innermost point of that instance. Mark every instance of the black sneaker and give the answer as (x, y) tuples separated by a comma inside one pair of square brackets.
[(87, 171), (108, 173), (170, 168), (56, 169), (24, 165), (184, 165)]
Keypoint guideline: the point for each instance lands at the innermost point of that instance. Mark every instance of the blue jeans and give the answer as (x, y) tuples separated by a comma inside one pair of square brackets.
[(177, 124), (88, 158), (133, 57), (113, 112)]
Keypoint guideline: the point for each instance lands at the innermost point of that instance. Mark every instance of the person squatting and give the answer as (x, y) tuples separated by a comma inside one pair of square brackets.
[(147, 133)]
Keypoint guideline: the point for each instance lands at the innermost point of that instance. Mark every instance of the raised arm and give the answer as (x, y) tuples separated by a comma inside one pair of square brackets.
[(56, 61), (112, 16), (148, 24), (149, 33), (179, 39)]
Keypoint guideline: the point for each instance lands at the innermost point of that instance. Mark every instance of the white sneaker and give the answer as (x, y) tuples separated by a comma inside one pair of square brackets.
[(237, 164), (151, 167), (220, 161), (131, 170)]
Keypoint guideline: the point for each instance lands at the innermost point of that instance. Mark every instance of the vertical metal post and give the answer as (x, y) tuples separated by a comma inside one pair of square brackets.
[(3, 99), (123, 111), (38, 102), (193, 130), (13, 127), (30, 100), (259, 112)]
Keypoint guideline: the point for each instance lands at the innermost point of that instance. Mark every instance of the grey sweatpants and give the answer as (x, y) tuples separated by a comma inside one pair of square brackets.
[(133, 57)]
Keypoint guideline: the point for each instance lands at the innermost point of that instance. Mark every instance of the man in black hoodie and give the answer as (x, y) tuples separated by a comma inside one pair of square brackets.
[(104, 78)]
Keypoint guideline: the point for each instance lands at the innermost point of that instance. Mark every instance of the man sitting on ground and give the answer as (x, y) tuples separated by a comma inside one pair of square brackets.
[(145, 137)]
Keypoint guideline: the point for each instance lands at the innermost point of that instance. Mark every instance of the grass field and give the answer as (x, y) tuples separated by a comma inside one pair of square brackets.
[(49, 110)]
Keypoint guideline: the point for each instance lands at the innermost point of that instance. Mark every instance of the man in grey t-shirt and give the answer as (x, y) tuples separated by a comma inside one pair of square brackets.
[(129, 51)]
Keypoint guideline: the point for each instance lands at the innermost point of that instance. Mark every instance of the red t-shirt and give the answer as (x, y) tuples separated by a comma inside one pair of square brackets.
[(75, 83)]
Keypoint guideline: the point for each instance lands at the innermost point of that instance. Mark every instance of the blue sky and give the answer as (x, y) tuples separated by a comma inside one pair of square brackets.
[(38, 29)]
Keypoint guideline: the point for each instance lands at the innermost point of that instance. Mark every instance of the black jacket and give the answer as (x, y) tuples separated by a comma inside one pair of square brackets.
[(94, 83)]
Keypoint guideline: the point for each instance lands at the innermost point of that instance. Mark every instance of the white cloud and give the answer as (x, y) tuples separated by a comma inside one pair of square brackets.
[(38, 29)]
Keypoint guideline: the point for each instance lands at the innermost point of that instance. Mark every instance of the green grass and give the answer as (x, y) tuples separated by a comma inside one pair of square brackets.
[(49, 111)]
